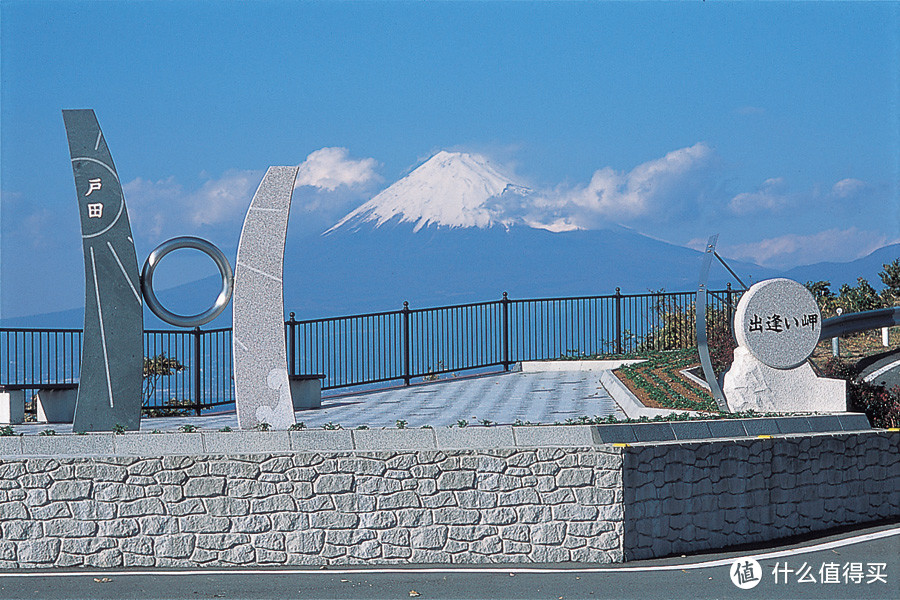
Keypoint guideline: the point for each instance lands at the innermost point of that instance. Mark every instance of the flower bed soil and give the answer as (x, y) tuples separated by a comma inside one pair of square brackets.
[(658, 383)]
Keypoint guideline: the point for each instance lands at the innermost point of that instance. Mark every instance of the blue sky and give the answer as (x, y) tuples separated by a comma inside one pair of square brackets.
[(775, 125)]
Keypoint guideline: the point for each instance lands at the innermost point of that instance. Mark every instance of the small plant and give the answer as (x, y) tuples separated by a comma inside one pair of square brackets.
[(157, 367), (426, 427), (263, 426), (297, 426), (226, 429), (462, 423), (188, 428), (431, 375), (331, 426), (173, 407), (363, 427), (7, 431), (156, 431), (487, 422), (401, 424), (119, 429), (48, 432)]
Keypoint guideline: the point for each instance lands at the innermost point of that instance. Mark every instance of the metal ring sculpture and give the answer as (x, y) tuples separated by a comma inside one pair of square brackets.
[(210, 250)]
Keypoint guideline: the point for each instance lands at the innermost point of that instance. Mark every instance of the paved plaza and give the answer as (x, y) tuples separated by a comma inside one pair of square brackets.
[(502, 398)]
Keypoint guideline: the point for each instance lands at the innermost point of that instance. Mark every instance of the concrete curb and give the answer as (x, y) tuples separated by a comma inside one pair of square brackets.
[(282, 442), (545, 366), (245, 443)]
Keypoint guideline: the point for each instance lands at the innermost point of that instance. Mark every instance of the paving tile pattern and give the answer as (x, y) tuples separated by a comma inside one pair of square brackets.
[(544, 397)]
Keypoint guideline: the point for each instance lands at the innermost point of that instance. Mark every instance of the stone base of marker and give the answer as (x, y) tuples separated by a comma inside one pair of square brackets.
[(12, 407), (56, 406), (306, 391), (751, 385)]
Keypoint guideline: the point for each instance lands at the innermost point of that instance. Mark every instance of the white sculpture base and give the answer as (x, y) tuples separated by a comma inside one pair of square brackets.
[(12, 407), (752, 385), (56, 406)]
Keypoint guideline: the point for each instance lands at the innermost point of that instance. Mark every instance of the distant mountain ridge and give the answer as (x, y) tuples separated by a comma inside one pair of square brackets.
[(838, 274), (452, 232), (357, 272)]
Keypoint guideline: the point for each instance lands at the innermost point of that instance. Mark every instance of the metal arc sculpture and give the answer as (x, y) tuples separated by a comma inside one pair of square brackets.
[(109, 387), (702, 344)]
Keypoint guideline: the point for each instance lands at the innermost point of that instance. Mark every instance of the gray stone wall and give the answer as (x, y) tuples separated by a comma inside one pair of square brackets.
[(498, 494), (686, 497), (298, 508)]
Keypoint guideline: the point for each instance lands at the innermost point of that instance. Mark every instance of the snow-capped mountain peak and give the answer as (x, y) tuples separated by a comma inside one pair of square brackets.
[(453, 189)]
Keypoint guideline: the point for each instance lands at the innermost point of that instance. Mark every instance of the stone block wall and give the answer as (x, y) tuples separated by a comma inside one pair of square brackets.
[(299, 508), (689, 496), (473, 495)]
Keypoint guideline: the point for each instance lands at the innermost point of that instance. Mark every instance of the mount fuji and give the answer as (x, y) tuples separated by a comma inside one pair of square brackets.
[(457, 229), (450, 189)]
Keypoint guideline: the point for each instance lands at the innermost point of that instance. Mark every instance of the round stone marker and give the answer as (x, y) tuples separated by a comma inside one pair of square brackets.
[(778, 322)]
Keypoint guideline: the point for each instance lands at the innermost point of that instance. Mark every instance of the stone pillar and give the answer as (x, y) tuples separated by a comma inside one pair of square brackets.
[(109, 389), (262, 391)]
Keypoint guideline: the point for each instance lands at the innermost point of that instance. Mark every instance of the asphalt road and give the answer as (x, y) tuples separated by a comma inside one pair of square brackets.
[(882, 369), (864, 563)]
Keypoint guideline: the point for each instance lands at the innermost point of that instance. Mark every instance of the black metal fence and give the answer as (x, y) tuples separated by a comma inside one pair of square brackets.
[(192, 369)]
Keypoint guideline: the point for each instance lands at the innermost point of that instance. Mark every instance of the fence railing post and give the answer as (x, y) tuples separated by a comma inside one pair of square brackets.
[(728, 307), (292, 344), (618, 321), (198, 398), (406, 334), (505, 331)]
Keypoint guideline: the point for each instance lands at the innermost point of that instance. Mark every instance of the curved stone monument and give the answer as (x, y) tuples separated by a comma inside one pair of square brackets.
[(262, 390), (109, 387), (777, 325)]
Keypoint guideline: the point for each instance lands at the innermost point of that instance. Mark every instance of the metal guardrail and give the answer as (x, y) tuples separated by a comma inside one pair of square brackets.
[(860, 321), (394, 346)]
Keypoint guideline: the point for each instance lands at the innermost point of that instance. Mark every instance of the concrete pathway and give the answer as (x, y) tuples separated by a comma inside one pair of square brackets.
[(538, 397)]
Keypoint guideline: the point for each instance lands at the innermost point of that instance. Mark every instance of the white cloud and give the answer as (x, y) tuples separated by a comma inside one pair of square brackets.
[(224, 199), (150, 204), (330, 168), (847, 188), (770, 197), (162, 206), (653, 189), (833, 245)]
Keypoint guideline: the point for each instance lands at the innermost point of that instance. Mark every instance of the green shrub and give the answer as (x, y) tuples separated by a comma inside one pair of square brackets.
[(881, 405), (721, 346)]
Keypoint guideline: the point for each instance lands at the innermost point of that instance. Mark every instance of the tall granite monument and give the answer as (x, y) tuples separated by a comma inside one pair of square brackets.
[(262, 391), (109, 388)]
